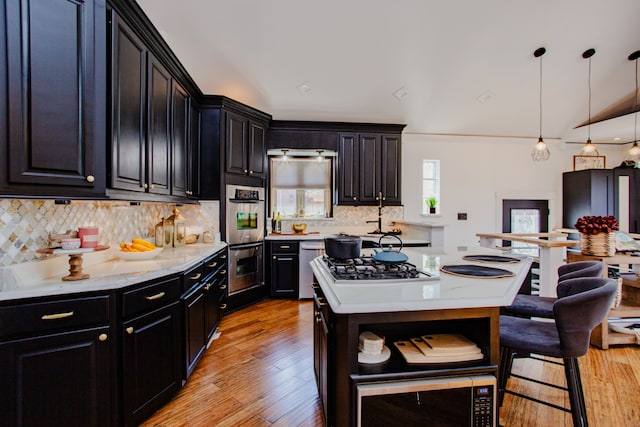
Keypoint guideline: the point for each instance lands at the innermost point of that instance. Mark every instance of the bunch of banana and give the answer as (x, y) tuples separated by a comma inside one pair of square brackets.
[(137, 245)]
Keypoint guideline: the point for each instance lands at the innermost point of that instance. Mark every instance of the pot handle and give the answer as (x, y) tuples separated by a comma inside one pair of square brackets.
[(391, 235)]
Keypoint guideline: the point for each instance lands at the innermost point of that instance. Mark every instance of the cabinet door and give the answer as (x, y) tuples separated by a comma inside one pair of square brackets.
[(62, 379), (193, 153), (180, 141), (195, 329), (128, 144), (55, 94), (257, 150), (284, 275), (236, 143), (348, 178), (390, 159), (159, 127), (151, 352), (369, 158)]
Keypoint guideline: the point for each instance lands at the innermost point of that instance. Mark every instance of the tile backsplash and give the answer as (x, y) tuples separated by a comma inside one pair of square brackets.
[(25, 224)]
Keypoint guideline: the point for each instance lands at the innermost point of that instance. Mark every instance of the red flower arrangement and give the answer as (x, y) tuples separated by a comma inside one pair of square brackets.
[(597, 224)]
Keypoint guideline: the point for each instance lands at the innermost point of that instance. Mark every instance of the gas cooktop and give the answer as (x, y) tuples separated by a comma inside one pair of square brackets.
[(367, 270)]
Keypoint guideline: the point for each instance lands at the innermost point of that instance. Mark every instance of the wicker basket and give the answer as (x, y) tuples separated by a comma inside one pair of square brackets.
[(601, 244)]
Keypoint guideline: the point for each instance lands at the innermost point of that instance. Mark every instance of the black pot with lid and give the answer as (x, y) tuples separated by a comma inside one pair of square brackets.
[(343, 246)]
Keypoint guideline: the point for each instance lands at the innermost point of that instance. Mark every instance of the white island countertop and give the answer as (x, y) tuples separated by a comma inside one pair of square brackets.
[(440, 292), (106, 270)]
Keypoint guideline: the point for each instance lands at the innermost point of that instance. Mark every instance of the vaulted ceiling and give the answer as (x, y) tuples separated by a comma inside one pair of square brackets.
[(463, 67)]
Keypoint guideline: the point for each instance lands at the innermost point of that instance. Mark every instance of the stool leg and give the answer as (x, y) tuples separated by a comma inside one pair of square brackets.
[(576, 394), (506, 362)]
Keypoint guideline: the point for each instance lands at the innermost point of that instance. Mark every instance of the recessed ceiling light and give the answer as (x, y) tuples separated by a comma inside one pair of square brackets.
[(400, 93), (304, 88), (485, 96), (617, 138)]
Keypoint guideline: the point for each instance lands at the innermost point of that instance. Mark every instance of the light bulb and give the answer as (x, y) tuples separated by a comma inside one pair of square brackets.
[(589, 149), (284, 155), (319, 158), (540, 151), (634, 150)]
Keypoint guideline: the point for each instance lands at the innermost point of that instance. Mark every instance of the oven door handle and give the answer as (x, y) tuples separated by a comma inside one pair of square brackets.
[(252, 245)]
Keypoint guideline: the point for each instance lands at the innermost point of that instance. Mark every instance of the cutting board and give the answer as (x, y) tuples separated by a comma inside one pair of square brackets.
[(429, 351), (413, 355), (449, 343)]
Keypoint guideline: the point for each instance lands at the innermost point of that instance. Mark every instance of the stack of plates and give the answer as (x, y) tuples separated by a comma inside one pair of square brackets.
[(372, 348), (439, 348)]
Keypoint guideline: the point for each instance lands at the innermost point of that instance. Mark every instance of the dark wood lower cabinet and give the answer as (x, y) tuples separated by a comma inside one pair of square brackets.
[(62, 379), (284, 269), (150, 362)]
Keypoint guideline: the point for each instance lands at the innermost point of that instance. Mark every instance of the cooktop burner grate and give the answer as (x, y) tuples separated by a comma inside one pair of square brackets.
[(366, 268)]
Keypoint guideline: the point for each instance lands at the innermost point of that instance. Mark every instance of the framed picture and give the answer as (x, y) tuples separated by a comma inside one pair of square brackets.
[(589, 162)]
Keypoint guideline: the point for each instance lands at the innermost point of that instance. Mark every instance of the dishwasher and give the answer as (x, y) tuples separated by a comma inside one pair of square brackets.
[(309, 250)]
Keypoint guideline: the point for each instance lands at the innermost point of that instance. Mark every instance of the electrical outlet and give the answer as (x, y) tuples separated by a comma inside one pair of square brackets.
[(462, 216)]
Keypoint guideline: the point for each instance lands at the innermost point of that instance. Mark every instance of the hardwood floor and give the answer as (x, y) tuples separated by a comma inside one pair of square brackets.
[(260, 373)]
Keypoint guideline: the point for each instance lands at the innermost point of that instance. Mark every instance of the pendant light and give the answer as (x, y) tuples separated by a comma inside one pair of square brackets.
[(589, 149), (540, 150), (285, 157), (634, 152)]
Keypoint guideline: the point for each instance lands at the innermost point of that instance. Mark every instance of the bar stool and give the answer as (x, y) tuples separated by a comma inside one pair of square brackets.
[(567, 338), (537, 306)]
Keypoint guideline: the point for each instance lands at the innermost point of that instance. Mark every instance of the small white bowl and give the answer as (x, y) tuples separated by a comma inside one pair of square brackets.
[(70, 244)]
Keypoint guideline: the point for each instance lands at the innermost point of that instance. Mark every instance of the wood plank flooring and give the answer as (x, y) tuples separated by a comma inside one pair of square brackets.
[(260, 373)]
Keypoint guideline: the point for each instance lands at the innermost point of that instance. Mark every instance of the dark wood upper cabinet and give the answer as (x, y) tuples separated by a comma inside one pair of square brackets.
[(55, 96), (369, 167), (236, 136), (180, 142), (257, 155), (128, 133), (159, 128)]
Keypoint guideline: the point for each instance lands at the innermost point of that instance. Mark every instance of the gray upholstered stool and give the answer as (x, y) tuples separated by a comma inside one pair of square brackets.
[(567, 338), (537, 306)]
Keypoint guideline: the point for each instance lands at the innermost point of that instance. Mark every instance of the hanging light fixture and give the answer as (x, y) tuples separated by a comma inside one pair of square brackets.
[(320, 156), (540, 150), (285, 157), (634, 152), (589, 149)]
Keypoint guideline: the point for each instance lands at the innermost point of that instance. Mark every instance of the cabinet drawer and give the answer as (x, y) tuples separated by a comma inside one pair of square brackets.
[(150, 296), (192, 277), (53, 315), (285, 247), (216, 262)]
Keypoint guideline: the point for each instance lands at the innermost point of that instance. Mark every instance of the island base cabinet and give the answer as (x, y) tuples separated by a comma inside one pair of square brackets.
[(151, 362), (61, 379)]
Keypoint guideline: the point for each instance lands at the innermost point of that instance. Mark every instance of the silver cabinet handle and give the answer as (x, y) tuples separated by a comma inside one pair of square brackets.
[(155, 297), (57, 315), (223, 257), (223, 306), (212, 265), (195, 277), (223, 272), (285, 247), (223, 287)]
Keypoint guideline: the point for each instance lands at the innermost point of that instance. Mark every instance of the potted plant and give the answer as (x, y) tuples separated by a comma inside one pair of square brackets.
[(431, 202)]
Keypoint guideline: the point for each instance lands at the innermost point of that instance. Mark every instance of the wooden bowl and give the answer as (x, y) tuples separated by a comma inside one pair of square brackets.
[(299, 228)]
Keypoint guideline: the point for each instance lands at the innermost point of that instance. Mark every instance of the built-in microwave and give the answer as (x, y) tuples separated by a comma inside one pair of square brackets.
[(245, 214), (435, 402)]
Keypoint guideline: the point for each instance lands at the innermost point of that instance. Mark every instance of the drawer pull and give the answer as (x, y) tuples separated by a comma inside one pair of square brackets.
[(285, 246), (223, 272), (223, 287), (207, 286), (155, 297), (57, 315), (223, 256), (129, 330), (102, 337), (212, 265), (195, 277), (321, 302), (223, 306)]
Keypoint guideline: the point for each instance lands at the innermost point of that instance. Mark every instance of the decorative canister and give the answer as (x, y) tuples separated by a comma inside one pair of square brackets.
[(600, 244), (88, 237)]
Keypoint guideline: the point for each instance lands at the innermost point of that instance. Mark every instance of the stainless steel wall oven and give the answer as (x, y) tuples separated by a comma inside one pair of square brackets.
[(245, 215)]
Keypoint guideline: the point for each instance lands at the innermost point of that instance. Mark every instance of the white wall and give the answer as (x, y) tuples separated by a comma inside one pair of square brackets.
[(478, 172)]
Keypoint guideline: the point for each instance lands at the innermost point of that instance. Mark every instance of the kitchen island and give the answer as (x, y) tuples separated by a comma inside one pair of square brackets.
[(400, 310)]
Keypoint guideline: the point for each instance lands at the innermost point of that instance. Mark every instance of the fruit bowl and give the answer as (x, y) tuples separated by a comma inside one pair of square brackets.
[(138, 256), (299, 228)]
